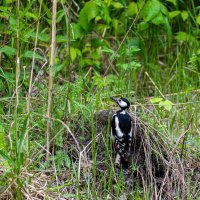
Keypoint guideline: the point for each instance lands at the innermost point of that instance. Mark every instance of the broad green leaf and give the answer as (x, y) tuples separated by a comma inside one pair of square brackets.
[(174, 14), (150, 10), (198, 19), (41, 36), (184, 15), (156, 100), (13, 22), (9, 51), (31, 15), (83, 20), (166, 104), (131, 65), (30, 54), (95, 54), (117, 5), (107, 50), (132, 9), (47, 10), (9, 1), (73, 54), (183, 36), (159, 19), (104, 12), (57, 68), (27, 34), (10, 77), (97, 42), (143, 26), (164, 10), (91, 10), (61, 38), (76, 31), (60, 15)]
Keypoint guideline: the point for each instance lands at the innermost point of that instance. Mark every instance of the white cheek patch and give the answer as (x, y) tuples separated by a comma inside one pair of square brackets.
[(122, 104), (118, 131)]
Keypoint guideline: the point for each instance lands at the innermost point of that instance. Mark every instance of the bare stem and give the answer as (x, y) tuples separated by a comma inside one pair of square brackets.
[(31, 76), (53, 44)]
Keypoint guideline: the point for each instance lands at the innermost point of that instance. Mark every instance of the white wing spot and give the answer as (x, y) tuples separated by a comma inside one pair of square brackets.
[(119, 133)]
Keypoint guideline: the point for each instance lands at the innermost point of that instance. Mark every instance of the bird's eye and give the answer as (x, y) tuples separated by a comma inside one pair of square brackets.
[(119, 100)]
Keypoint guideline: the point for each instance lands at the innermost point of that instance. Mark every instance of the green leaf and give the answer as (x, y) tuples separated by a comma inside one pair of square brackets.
[(88, 12), (117, 5), (61, 38), (198, 19), (168, 30), (174, 14), (104, 12), (150, 10), (41, 36), (57, 68), (9, 51), (2, 137), (107, 50), (156, 100), (8, 159), (132, 9), (142, 26), (164, 10), (184, 15), (30, 54), (91, 10), (76, 31), (22, 136), (83, 20), (131, 65), (159, 19), (60, 15), (31, 15), (67, 160), (10, 77), (73, 54), (183, 36), (166, 104)]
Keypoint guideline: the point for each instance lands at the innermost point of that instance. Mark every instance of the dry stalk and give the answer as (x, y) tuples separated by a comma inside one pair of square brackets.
[(17, 74), (31, 76), (53, 44)]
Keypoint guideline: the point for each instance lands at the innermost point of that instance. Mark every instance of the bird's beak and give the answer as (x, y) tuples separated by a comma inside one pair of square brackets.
[(114, 99)]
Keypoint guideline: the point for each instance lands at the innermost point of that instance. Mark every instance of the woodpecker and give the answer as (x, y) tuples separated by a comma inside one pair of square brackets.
[(121, 133)]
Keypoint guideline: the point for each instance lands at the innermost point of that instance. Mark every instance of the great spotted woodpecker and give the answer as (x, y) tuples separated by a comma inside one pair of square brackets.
[(121, 133)]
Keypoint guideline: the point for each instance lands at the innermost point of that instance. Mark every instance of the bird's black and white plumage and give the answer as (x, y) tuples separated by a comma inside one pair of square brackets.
[(121, 132)]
